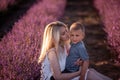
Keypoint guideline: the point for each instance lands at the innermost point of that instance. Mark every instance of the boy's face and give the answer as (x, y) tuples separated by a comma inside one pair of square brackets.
[(76, 36)]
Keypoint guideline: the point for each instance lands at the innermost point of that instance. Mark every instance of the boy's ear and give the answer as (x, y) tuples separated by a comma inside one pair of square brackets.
[(83, 34)]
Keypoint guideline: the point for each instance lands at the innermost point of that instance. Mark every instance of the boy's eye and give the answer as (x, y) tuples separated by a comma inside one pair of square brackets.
[(77, 35), (71, 35)]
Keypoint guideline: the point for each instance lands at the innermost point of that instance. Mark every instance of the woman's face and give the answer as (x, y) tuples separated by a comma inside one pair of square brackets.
[(64, 34)]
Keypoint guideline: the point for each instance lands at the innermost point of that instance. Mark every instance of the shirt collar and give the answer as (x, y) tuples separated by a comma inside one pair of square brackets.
[(72, 44)]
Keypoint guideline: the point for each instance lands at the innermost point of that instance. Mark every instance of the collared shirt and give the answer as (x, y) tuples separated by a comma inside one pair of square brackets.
[(76, 51)]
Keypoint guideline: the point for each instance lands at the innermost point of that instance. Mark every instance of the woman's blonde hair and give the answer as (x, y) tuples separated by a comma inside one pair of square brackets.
[(51, 38)]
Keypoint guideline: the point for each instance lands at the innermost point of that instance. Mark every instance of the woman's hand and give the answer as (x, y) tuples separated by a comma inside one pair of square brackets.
[(79, 62)]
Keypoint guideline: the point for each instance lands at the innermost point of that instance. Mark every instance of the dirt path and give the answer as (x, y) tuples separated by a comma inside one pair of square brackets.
[(95, 40)]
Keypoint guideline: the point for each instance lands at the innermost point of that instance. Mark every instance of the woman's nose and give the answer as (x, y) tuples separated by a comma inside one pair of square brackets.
[(67, 35)]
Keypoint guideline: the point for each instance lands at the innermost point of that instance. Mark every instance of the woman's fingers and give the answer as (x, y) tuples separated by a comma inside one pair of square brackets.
[(79, 62)]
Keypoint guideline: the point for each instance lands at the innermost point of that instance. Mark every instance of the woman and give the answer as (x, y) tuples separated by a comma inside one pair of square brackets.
[(54, 52)]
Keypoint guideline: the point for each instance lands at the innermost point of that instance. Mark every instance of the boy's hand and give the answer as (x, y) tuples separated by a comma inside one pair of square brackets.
[(79, 62)]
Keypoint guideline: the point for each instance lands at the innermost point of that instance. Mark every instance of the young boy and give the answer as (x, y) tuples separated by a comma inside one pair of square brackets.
[(77, 50)]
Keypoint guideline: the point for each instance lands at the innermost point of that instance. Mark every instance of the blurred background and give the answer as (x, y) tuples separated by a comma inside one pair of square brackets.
[(22, 24)]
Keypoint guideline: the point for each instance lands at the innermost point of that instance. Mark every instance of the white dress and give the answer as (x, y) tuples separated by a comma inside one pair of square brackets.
[(46, 71)]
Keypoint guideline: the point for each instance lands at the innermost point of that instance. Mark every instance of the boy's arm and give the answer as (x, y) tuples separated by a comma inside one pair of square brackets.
[(84, 69)]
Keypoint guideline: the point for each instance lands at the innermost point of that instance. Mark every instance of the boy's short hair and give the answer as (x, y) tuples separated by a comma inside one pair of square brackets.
[(77, 26)]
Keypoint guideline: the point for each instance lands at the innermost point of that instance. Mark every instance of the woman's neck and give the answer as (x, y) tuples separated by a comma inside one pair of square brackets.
[(61, 49)]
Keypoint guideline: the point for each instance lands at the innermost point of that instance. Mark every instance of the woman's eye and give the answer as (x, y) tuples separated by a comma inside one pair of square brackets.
[(63, 34)]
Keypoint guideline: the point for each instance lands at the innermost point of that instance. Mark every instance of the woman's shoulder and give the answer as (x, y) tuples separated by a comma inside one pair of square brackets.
[(51, 53)]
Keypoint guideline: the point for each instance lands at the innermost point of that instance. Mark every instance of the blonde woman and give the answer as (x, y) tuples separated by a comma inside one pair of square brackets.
[(54, 52)]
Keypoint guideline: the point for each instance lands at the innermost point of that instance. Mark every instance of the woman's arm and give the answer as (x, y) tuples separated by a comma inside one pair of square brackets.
[(57, 74)]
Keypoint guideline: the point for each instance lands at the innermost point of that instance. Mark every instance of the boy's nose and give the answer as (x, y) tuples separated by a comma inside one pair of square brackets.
[(74, 39)]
